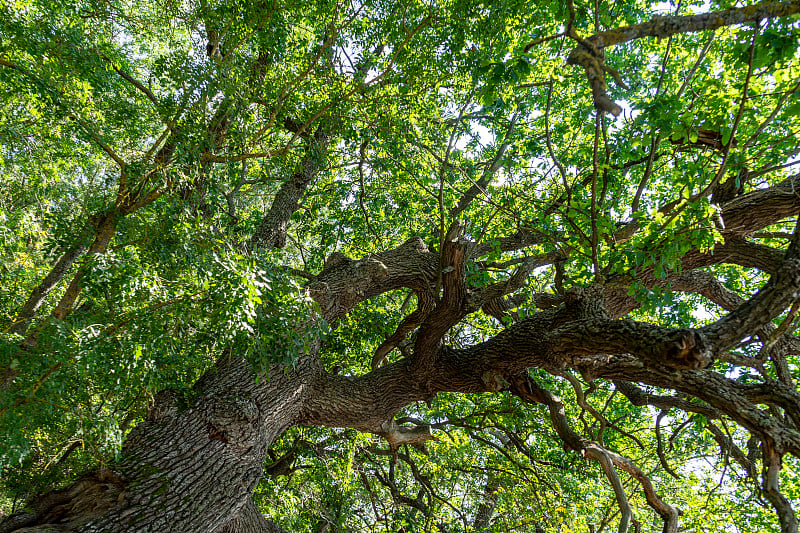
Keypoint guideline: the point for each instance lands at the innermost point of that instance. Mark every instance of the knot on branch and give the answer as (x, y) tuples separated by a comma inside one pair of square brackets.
[(686, 350), (581, 303), (500, 307), (334, 260), (546, 300), (398, 435), (586, 302), (494, 381), (594, 65), (164, 405), (343, 282), (366, 269), (373, 268), (233, 422), (415, 244)]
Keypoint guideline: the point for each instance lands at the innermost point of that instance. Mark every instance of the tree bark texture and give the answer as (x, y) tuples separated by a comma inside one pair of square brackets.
[(272, 230), (188, 471)]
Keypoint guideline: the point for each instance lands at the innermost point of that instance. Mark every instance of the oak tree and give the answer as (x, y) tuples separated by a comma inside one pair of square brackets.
[(390, 265)]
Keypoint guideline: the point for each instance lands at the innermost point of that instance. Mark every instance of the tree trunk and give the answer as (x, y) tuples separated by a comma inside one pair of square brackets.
[(191, 471), (250, 520)]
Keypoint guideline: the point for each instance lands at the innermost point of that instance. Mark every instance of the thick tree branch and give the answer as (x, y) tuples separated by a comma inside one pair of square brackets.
[(724, 395), (664, 26), (516, 280), (38, 294), (344, 283), (750, 212), (589, 52), (425, 305), (638, 397), (452, 306), (524, 237), (780, 292), (271, 233)]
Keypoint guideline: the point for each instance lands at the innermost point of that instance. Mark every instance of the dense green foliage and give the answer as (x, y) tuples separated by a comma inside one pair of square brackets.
[(421, 100)]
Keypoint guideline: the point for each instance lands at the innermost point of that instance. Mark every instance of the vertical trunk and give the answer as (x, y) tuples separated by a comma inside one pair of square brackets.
[(486, 509), (195, 470), (250, 520), (272, 230), (190, 471)]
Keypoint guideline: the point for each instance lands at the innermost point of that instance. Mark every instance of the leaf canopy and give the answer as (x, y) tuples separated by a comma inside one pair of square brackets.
[(178, 124)]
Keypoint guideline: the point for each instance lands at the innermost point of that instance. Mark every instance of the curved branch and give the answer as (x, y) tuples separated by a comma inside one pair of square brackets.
[(640, 398), (780, 292), (762, 207), (408, 324), (344, 283), (529, 391), (663, 26), (589, 52)]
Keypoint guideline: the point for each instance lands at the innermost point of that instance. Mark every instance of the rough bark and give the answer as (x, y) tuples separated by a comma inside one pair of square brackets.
[(485, 511), (193, 470), (747, 213), (215, 450), (272, 230), (250, 520)]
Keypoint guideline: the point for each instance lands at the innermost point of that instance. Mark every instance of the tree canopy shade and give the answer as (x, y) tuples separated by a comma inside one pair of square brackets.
[(389, 265)]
